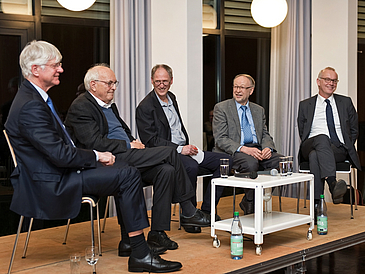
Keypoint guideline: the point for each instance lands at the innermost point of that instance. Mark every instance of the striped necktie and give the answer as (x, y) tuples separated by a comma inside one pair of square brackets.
[(331, 124)]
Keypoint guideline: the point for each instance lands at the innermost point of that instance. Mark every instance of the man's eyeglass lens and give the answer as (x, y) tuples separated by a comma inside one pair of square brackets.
[(329, 80), (241, 87), (159, 82), (110, 83)]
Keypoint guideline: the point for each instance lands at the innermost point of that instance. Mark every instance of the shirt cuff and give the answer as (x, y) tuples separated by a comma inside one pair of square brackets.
[(179, 149), (96, 155)]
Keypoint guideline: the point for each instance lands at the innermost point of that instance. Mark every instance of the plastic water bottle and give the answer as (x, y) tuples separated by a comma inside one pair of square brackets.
[(236, 238), (322, 217)]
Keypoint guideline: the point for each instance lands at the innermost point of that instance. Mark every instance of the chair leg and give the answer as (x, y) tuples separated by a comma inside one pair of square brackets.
[(179, 217), (351, 206), (106, 213), (98, 222), (15, 243), (66, 232), (355, 188), (28, 236)]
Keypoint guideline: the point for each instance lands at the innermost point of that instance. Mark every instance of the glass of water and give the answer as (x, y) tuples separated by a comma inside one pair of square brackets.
[(290, 165), (92, 256), (224, 168)]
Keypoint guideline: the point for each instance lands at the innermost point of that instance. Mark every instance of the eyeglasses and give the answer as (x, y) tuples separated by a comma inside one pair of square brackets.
[(164, 82), (55, 65), (110, 83), (329, 80), (241, 88)]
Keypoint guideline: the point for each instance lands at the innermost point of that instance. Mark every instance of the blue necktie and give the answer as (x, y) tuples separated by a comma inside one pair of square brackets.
[(50, 104), (245, 127), (331, 124)]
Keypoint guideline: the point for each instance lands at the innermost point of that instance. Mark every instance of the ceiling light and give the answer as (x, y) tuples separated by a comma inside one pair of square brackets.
[(269, 13), (76, 5)]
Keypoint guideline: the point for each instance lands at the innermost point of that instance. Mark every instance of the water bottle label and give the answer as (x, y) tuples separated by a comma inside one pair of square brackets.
[(322, 223), (237, 245)]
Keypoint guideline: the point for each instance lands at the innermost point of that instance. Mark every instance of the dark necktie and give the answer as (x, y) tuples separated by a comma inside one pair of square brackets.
[(245, 127), (331, 124), (50, 104)]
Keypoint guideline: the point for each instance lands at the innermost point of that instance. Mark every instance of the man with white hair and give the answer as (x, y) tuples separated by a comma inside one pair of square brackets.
[(52, 174)]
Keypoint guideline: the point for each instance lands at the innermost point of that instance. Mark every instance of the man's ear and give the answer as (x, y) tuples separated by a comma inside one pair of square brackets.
[(34, 70)]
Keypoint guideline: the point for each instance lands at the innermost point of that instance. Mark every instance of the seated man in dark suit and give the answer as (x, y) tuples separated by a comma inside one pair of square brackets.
[(159, 124), (52, 174), (94, 123), (239, 129), (328, 129)]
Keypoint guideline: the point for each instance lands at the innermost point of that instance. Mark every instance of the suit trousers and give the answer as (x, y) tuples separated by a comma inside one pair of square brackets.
[(243, 162), (161, 167), (124, 183), (211, 162), (322, 156)]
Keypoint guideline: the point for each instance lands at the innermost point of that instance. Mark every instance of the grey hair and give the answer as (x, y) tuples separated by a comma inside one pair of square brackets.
[(37, 53), (164, 66), (249, 77), (327, 68), (93, 74)]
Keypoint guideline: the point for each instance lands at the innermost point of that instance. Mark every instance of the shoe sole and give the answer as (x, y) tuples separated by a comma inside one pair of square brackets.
[(192, 224), (341, 190), (153, 271), (187, 229)]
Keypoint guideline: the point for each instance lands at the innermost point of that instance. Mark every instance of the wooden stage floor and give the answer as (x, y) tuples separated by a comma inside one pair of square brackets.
[(46, 254)]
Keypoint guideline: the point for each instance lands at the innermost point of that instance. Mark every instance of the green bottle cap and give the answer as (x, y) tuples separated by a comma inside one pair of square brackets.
[(321, 196), (236, 214)]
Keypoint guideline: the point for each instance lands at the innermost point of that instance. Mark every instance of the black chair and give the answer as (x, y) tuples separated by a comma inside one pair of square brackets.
[(91, 200), (341, 167)]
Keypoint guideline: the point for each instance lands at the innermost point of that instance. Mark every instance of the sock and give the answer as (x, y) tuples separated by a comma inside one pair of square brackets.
[(331, 179), (124, 234), (139, 246), (187, 208)]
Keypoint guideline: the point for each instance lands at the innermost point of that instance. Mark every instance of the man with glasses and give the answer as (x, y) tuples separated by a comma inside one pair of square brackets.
[(239, 129), (328, 129), (52, 174), (94, 123), (159, 124)]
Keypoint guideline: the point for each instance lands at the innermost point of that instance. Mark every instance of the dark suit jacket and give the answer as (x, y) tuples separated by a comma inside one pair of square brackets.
[(88, 126), (348, 121), (47, 183), (153, 127), (227, 128)]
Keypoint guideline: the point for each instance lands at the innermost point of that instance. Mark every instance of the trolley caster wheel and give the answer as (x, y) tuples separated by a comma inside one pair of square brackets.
[(216, 242), (309, 235), (258, 250)]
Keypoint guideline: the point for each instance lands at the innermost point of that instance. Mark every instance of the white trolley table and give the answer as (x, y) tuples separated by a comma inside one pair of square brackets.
[(261, 223)]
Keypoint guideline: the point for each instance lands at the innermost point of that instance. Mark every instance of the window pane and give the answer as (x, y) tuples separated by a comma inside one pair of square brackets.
[(16, 6), (210, 14)]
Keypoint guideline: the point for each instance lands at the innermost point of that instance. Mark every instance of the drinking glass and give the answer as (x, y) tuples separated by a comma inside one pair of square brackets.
[(290, 165), (92, 256), (75, 263), (224, 168), (283, 166)]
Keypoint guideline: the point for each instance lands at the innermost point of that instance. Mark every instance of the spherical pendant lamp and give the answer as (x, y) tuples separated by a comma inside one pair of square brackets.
[(269, 13), (76, 5)]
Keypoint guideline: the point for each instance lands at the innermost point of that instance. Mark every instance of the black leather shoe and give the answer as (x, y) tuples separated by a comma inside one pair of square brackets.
[(217, 217), (198, 219), (152, 263), (246, 206), (192, 229), (315, 212), (160, 239), (125, 250), (338, 189)]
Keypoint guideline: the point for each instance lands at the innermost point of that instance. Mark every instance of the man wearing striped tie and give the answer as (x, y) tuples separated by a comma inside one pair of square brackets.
[(239, 129)]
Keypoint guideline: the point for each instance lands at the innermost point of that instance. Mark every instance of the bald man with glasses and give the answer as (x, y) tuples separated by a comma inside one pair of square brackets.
[(328, 128)]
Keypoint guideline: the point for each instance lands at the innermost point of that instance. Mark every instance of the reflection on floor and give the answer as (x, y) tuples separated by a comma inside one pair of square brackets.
[(349, 260)]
